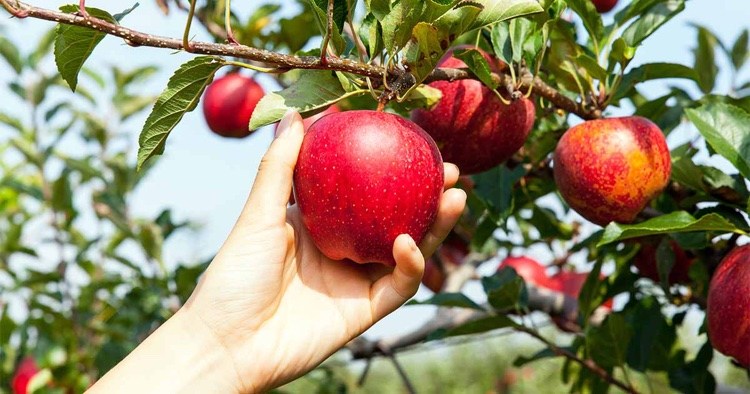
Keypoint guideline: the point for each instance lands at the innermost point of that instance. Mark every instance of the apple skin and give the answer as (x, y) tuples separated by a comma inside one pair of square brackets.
[(363, 178), (604, 5), (451, 253), (609, 169), (645, 261), (729, 306), (26, 370), (228, 104), (570, 283), (529, 269), (473, 128)]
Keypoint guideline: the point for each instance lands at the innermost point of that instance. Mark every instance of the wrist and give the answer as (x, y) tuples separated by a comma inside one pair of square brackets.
[(182, 355)]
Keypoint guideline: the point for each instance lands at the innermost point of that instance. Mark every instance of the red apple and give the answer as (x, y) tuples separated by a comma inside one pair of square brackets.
[(729, 306), (609, 169), (364, 177), (26, 370), (473, 128), (529, 269), (571, 283), (228, 104), (451, 253), (645, 261), (604, 5)]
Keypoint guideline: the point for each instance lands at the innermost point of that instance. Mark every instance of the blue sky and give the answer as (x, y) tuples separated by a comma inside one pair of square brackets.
[(206, 179)]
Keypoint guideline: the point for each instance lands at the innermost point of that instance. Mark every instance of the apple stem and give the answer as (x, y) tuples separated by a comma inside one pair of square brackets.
[(381, 106)]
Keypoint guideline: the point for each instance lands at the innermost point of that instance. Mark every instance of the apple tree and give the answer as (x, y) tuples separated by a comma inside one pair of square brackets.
[(520, 94)]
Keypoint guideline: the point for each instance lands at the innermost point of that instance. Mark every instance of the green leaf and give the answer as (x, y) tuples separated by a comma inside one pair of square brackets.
[(591, 18), (151, 239), (10, 53), (458, 300), (402, 16), (651, 21), (694, 377), (665, 260), (705, 63), (651, 71), (675, 222), (501, 10), (183, 91), (478, 65), (62, 194), (725, 128), (118, 17), (608, 343), (592, 67), (505, 290), (424, 51), (74, 44), (501, 44), (520, 29), (739, 53), (11, 121), (653, 337), (314, 91)]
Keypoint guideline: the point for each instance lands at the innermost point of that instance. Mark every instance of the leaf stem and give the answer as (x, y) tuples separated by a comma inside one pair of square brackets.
[(228, 23)]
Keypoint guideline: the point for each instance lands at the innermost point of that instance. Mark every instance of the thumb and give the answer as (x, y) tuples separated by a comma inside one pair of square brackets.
[(270, 193)]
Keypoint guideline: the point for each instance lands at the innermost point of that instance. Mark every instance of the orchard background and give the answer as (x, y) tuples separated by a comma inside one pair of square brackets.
[(95, 253)]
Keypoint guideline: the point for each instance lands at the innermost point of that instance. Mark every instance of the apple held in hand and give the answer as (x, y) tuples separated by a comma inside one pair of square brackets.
[(363, 178), (529, 269), (228, 104), (451, 254), (604, 5), (609, 169), (646, 262), (473, 128), (729, 306)]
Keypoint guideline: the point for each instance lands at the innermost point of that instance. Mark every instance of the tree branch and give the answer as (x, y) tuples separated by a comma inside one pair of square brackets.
[(588, 364), (286, 62)]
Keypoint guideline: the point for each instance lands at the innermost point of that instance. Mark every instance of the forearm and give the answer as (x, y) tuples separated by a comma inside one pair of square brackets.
[(180, 356)]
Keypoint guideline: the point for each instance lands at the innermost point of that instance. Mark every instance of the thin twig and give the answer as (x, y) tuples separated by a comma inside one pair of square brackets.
[(82, 9), (329, 31), (402, 373)]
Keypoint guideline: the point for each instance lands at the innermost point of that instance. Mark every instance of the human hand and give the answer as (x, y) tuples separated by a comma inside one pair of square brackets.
[(273, 305)]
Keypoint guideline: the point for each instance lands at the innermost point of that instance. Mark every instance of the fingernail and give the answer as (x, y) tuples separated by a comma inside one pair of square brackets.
[(285, 123)]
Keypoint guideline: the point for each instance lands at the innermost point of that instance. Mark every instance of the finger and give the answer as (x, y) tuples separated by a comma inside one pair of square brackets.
[(450, 209), (273, 183), (451, 175), (392, 290)]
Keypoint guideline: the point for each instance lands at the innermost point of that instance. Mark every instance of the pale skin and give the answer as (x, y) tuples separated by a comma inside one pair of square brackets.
[(270, 306)]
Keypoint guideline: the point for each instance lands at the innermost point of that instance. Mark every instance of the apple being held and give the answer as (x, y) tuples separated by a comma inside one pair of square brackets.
[(451, 254), (473, 128), (228, 104), (530, 270), (604, 5), (609, 169), (26, 370), (646, 262), (363, 178), (729, 306)]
